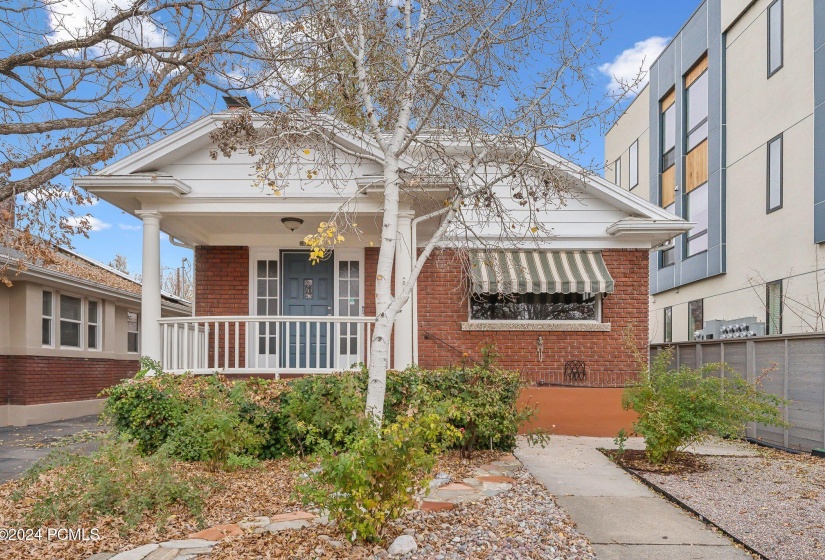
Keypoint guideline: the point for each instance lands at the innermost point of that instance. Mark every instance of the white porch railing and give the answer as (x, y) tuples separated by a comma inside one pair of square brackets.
[(274, 344)]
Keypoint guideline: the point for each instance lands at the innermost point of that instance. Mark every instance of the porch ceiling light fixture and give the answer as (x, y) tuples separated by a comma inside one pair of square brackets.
[(292, 223)]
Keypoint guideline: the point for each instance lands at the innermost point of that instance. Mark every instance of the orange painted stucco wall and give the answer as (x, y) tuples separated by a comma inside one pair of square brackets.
[(577, 411)]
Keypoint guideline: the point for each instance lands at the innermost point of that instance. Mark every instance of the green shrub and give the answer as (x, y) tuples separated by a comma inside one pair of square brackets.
[(683, 407), (199, 418), (375, 479), (241, 463), (114, 481)]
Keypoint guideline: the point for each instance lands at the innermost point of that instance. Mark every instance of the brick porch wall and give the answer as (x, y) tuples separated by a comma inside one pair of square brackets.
[(442, 307), (222, 288), (27, 380)]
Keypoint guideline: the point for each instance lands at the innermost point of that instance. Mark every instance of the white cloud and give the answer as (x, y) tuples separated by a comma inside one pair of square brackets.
[(74, 19), (633, 64), (95, 223), (129, 227)]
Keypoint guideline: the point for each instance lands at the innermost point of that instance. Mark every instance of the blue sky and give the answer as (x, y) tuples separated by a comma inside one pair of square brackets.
[(639, 29)]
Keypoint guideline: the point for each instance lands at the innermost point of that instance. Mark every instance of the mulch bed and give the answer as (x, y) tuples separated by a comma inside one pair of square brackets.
[(681, 463), (773, 502), (521, 523)]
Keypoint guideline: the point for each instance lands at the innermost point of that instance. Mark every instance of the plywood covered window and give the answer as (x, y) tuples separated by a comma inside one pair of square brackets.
[(668, 126), (696, 160)]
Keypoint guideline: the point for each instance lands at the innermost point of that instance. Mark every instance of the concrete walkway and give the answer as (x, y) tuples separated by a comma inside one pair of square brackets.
[(622, 518), (22, 446)]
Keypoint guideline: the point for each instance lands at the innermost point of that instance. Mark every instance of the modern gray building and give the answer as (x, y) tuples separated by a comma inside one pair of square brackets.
[(730, 134)]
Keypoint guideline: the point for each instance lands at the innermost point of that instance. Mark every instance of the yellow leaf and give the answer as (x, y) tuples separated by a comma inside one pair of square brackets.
[(534, 229), (307, 152)]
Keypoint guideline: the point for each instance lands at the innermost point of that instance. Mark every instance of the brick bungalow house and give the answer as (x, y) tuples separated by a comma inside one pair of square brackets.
[(261, 308), (67, 331)]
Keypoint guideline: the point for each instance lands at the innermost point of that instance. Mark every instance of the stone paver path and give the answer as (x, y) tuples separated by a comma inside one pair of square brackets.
[(22, 446), (622, 518)]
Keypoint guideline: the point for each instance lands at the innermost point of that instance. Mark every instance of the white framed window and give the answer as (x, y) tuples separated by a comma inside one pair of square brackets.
[(133, 332), (775, 37), (93, 320), (47, 321), (634, 165), (775, 171), (617, 172), (71, 321)]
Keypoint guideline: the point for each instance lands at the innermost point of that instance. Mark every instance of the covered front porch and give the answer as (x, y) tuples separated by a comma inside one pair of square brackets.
[(264, 308)]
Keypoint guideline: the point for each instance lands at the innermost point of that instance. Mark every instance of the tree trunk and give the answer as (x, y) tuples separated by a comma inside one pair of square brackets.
[(385, 312)]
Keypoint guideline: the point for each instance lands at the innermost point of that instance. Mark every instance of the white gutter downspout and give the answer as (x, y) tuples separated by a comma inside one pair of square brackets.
[(414, 257)]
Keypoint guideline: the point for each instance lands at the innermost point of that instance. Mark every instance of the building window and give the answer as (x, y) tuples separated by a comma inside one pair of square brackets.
[(617, 172), (93, 325), (669, 137), (773, 307), (267, 305), (634, 164), (696, 319), (775, 169), (668, 324), (48, 318), (349, 305), (132, 332), (71, 319), (535, 307), (668, 256), (775, 37), (697, 211), (667, 187), (697, 106)]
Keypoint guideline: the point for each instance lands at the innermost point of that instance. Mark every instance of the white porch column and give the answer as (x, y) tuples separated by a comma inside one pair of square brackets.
[(404, 251), (150, 296)]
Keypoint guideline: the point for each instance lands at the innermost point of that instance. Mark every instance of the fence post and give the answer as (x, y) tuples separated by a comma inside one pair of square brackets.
[(785, 394), (750, 371)]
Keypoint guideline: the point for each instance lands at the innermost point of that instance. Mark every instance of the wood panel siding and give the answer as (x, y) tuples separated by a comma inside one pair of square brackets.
[(668, 186), (668, 100), (696, 167), (696, 71)]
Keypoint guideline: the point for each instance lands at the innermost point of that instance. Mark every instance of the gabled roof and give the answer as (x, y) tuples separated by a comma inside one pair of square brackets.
[(197, 135)]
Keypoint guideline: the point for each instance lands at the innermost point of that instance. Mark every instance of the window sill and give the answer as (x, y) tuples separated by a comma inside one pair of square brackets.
[(564, 326)]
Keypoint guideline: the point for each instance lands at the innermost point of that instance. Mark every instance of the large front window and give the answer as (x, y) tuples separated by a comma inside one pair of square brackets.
[(696, 159), (534, 307)]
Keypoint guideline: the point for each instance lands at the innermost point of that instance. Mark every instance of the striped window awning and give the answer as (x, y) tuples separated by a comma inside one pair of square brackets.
[(539, 272)]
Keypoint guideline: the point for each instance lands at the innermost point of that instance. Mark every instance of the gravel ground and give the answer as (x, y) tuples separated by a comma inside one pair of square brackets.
[(775, 502), (521, 523)]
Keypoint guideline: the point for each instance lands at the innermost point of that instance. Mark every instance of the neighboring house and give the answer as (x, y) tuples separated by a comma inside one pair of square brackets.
[(730, 134), (67, 331), (255, 289)]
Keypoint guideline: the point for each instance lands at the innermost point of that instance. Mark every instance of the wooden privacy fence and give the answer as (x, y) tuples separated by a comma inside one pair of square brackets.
[(791, 366)]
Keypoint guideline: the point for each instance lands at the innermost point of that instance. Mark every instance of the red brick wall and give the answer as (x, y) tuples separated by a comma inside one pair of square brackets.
[(51, 379), (442, 307), (222, 288)]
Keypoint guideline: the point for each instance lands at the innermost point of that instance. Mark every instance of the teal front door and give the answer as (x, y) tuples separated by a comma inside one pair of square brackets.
[(307, 292)]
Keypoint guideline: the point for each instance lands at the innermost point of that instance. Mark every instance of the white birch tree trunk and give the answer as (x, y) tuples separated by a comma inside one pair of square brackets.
[(384, 309)]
